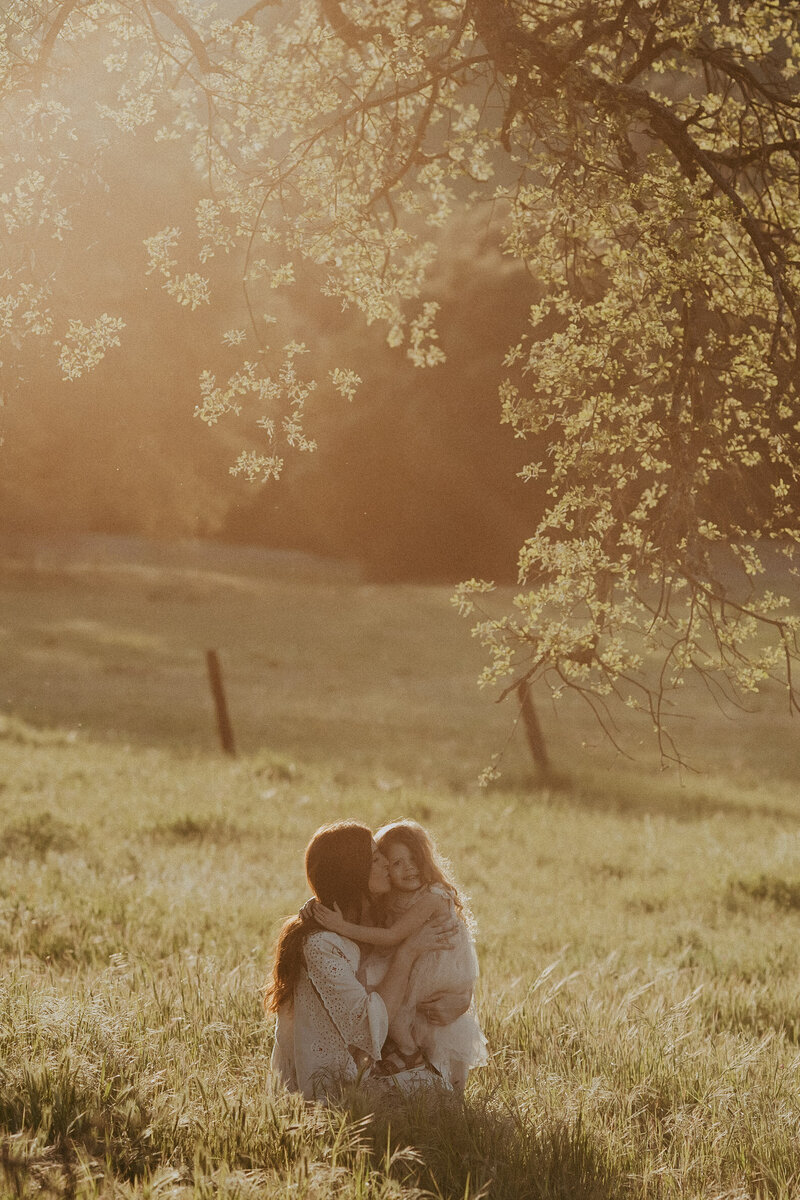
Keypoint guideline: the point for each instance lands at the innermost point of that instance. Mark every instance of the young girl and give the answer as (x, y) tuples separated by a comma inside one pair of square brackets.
[(422, 890)]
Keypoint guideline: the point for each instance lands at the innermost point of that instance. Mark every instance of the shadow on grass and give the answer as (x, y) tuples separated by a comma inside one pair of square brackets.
[(462, 1149), (60, 1130), (55, 1117), (639, 795)]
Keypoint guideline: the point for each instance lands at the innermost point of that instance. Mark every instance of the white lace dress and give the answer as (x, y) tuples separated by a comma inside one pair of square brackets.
[(334, 1027)]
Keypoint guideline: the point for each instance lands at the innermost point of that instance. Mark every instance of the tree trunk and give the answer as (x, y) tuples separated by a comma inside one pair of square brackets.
[(533, 730)]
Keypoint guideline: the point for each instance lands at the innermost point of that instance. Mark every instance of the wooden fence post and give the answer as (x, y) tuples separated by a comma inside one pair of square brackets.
[(220, 703)]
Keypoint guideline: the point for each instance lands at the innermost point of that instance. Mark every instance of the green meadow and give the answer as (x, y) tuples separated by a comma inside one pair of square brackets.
[(637, 928)]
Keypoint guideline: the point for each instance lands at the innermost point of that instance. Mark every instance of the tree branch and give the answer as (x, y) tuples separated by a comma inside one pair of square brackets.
[(198, 46), (247, 18), (51, 37), (351, 34)]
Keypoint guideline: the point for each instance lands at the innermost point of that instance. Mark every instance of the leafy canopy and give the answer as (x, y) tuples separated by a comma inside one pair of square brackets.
[(644, 157)]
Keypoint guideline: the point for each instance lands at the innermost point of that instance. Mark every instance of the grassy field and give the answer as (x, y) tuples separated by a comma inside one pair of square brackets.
[(640, 961)]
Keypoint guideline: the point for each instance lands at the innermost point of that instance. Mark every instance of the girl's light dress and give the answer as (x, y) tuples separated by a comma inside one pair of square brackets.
[(452, 1049)]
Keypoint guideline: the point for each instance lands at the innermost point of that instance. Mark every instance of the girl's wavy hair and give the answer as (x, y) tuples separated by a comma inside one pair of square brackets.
[(433, 868), (338, 865)]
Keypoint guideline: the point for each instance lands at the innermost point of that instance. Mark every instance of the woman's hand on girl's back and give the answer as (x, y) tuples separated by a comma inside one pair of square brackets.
[(438, 933), (442, 1008)]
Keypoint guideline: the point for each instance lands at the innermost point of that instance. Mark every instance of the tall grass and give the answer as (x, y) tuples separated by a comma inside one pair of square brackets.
[(640, 974), (637, 932)]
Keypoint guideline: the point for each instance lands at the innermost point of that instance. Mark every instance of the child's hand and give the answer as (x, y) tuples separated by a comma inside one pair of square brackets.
[(328, 918)]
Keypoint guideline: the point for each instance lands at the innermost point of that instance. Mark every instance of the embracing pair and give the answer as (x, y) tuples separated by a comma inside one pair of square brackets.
[(373, 979)]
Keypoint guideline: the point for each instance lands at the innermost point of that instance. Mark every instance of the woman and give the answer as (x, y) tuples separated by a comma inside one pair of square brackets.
[(330, 1029)]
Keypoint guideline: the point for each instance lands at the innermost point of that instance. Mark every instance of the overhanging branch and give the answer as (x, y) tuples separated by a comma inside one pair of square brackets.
[(351, 34), (196, 43)]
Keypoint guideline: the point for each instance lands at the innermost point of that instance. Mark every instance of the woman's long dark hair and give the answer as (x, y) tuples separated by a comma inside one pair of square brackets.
[(338, 865)]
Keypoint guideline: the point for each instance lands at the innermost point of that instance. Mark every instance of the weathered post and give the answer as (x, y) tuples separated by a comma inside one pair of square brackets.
[(220, 703), (533, 729)]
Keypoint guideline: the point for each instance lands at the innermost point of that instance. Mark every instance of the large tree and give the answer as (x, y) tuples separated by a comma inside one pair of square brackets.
[(644, 158)]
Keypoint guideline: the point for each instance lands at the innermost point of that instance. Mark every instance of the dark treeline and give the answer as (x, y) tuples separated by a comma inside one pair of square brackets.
[(416, 478)]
